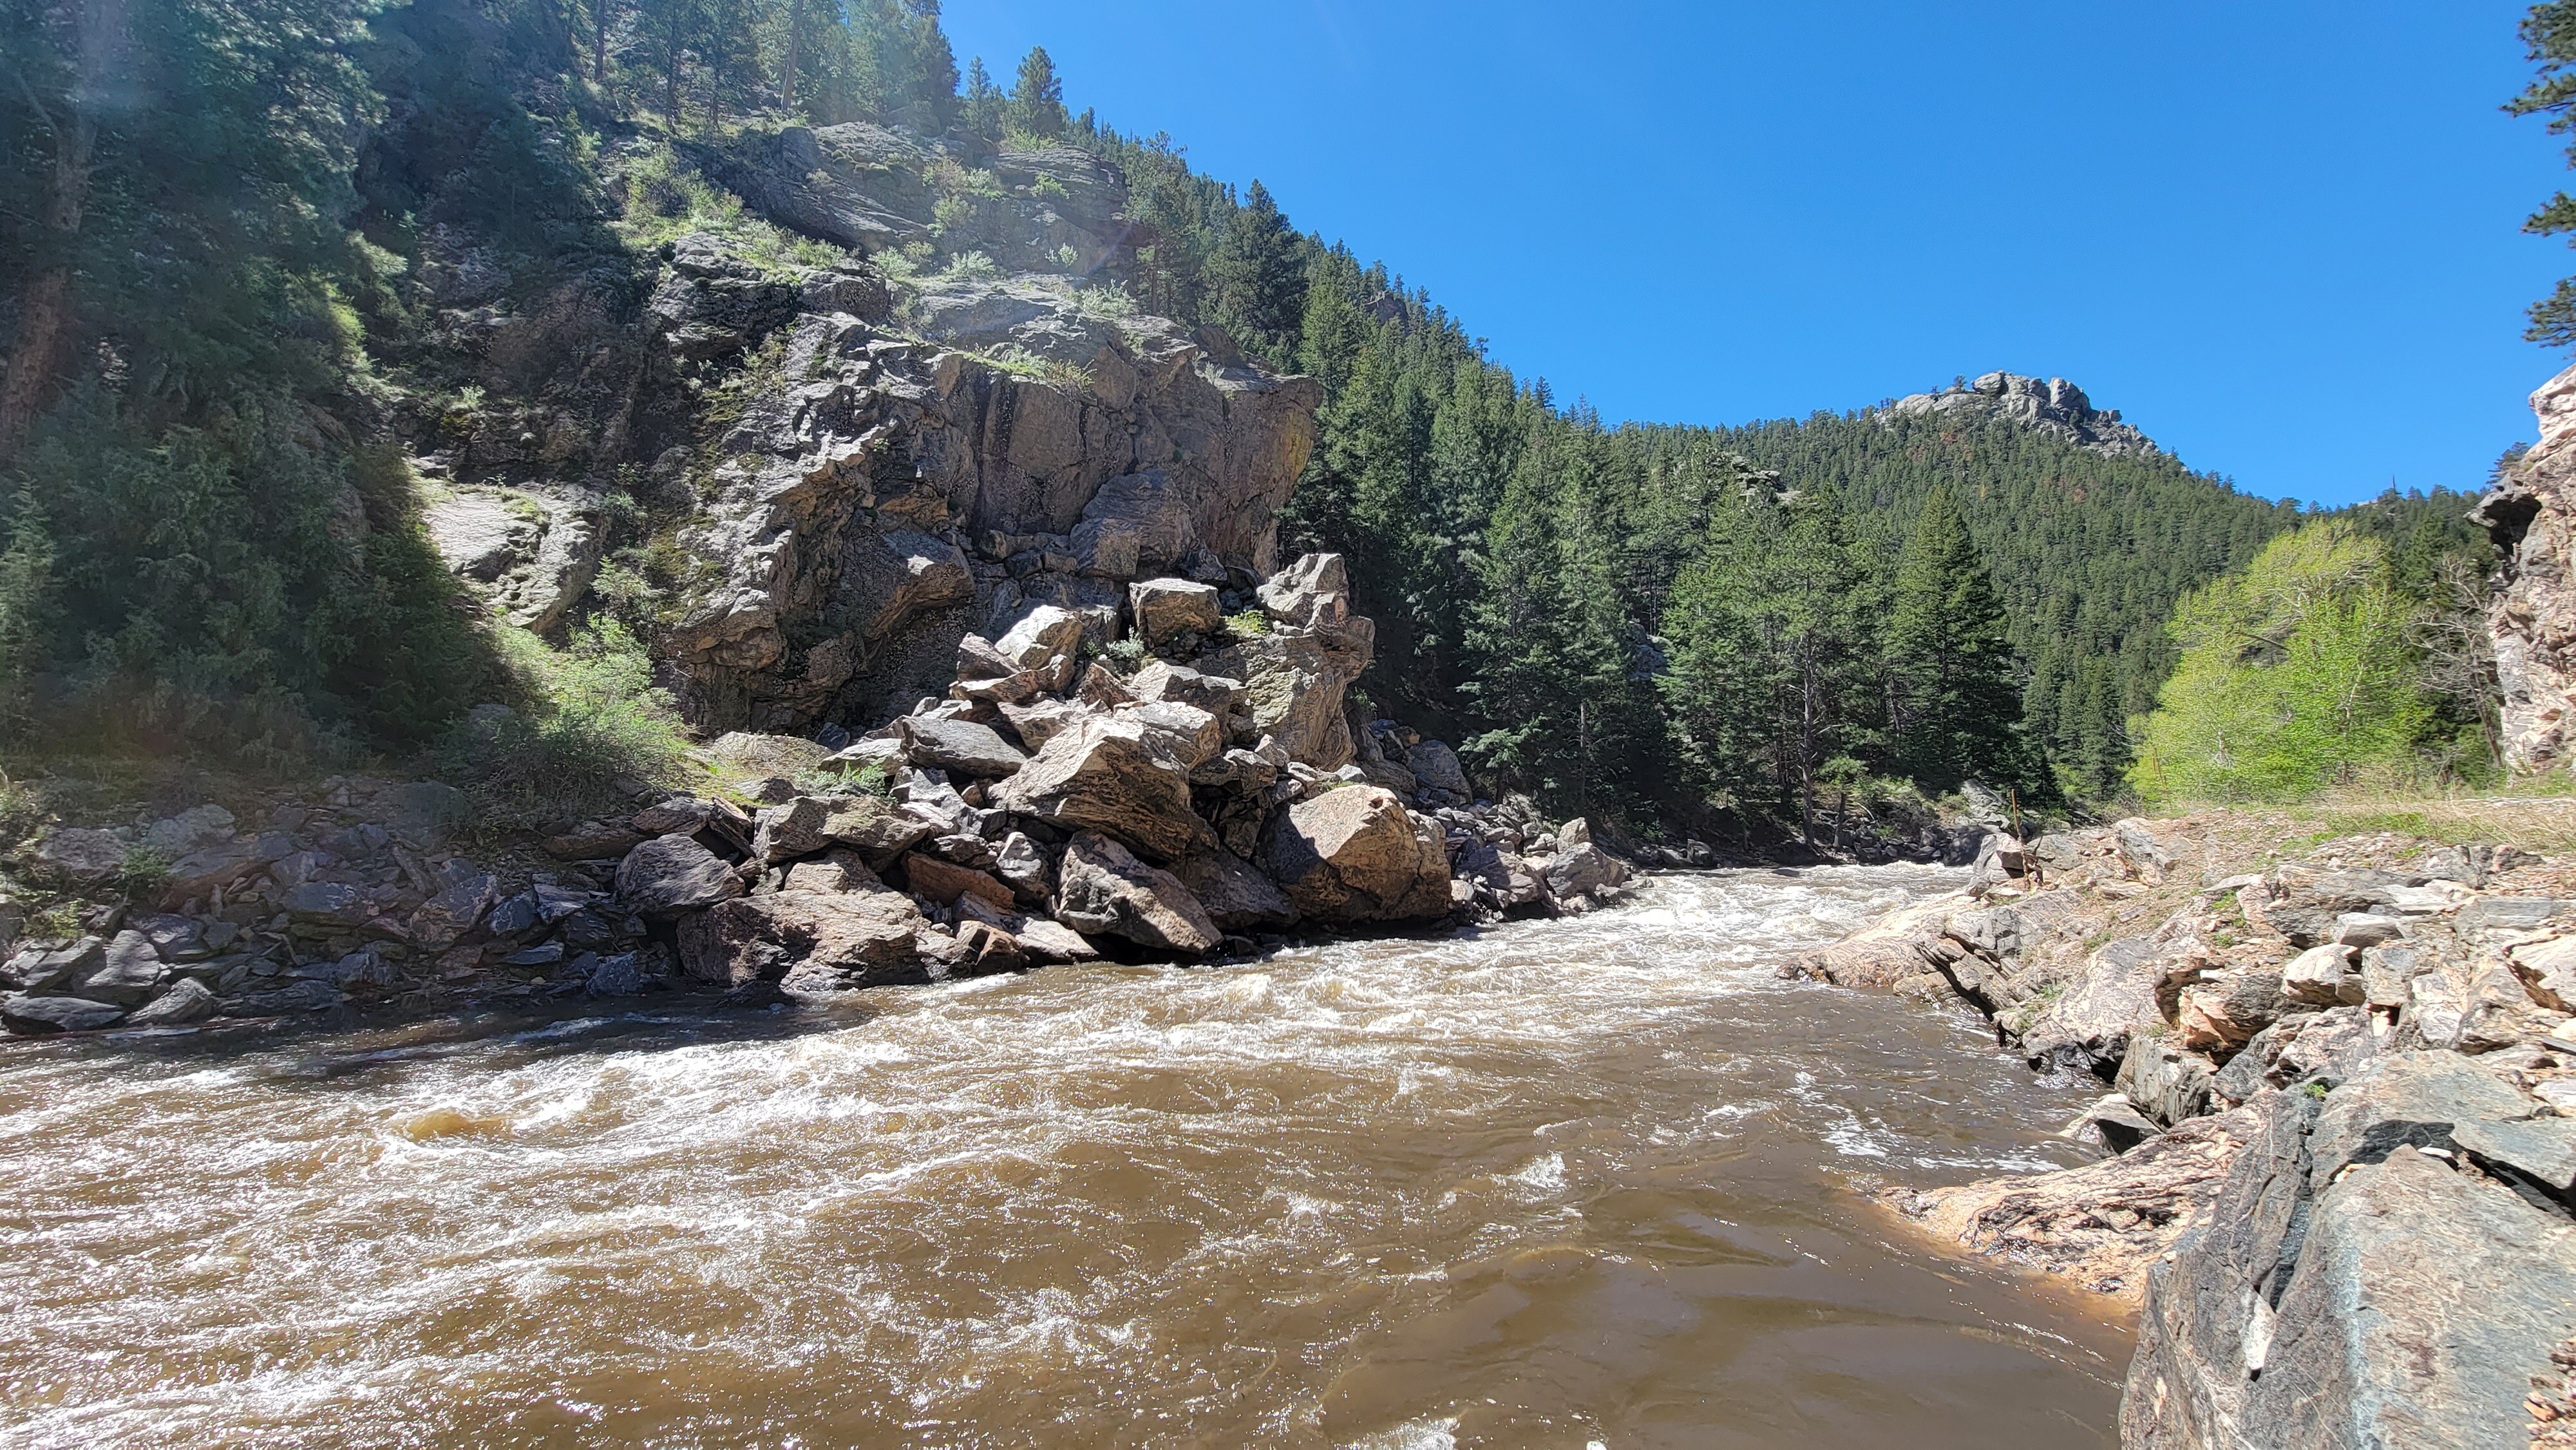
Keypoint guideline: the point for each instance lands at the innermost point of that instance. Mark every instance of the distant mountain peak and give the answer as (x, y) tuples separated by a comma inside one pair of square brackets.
[(2055, 407)]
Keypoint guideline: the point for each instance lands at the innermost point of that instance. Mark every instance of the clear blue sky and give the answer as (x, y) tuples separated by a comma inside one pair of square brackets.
[(2280, 235)]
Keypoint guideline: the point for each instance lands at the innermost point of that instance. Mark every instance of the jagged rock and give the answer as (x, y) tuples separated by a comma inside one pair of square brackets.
[(989, 949), (2088, 1027), (875, 827), (2166, 1083), (29, 1015), (959, 745), (1584, 870), (942, 882), (1105, 890), (1113, 775), (1237, 897), (2302, 902), (1356, 855), (1884, 953), (2317, 975), (82, 857), (39, 969), (832, 927), (1045, 642), (2531, 617), (671, 876), (188, 1000), (307, 995), (2055, 407), (1294, 681), (2548, 971), (1020, 863), (128, 972), (1189, 735), (1167, 609), (907, 574), (1160, 681), (1314, 590), (1436, 767), (449, 915)]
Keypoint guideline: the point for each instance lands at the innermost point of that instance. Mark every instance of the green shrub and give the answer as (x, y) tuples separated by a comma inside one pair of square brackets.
[(143, 872), (1126, 656), (586, 718), (1250, 624)]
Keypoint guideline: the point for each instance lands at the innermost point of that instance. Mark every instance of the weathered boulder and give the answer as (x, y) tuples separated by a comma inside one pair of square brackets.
[(853, 932), (2531, 617), (877, 828), (944, 882), (2166, 1083), (1161, 681), (2226, 1013), (2302, 902), (1167, 609), (128, 973), (28, 1015), (40, 969), (2087, 1027), (2318, 975), (1045, 642), (446, 917), (673, 875), (1436, 767), (187, 1000), (1025, 868), (1584, 870), (1237, 897), (961, 746), (1355, 855), (1106, 891), (82, 857), (1116, 776), (1315, 589)]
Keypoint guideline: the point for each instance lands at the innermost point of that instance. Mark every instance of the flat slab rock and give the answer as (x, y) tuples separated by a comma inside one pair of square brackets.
[(2101, 1224)]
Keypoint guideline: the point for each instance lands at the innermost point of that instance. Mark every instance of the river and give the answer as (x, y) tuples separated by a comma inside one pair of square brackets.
[(1569, 1183)]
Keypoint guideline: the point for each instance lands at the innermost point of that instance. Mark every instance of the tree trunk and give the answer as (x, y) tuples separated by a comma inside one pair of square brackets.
[(787, 68), (599, 42), (45, 308)]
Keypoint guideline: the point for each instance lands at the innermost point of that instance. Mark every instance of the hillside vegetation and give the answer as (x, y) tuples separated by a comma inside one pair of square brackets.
[(340, 247)]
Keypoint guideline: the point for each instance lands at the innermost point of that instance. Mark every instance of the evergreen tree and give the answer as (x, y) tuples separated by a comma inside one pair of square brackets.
[(983, 110), (1257, 277), (1953, 705), (1036, 107), (2549, 30)]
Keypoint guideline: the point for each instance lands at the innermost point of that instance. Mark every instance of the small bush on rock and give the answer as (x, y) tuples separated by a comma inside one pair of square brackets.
[(587, 717)]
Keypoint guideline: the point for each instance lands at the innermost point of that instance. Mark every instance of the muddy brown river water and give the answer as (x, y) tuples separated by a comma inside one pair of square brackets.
[(1554, 1184)]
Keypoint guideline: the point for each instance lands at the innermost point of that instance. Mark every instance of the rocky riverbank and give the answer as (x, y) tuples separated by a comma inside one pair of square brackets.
[(2343, 1117)]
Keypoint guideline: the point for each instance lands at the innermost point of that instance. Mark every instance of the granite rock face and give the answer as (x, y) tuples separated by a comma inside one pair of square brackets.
[(2055, 407), (2531, 515)]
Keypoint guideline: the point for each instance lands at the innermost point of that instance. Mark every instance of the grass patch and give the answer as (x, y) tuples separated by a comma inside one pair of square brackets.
[(588, 725)]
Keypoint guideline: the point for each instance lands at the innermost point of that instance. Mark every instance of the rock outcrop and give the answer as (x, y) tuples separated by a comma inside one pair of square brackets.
[(2055, 407), (2531, 515), (2342, 1180)]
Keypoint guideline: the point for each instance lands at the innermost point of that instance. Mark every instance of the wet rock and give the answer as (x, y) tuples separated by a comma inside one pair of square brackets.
[(1115, 776), (1356, 855), (306, 995), (1104, 890), (989, 949), (670, 876), (29, 1015), (188, 1000), (810, 943)]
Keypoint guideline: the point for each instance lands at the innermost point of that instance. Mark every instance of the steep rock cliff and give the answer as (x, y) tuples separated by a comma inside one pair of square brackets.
[(2531, 514)]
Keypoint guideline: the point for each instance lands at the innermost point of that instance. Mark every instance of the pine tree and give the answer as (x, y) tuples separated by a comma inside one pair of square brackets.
[(1258, 276), (1037, 102), (2550, 32), (1953, 703), (984, 106)]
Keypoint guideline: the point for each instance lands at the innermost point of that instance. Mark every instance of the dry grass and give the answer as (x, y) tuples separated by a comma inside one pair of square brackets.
[(2536, 815)]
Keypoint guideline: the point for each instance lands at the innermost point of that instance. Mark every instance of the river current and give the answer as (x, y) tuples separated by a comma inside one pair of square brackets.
[(1591, 1182)]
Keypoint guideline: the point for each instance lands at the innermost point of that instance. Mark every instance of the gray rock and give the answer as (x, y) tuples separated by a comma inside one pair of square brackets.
[(2511, 913), (1166, 609), (1436, 766), (959, 745), (1116, 776), (307, 995), (188, 1000), (1237, 897), (2422, 1308), (2087, 1027), (2407, 1100), (34, 1016), (2332, 1045), (1020, 863), (671, 876), (445, 918), (40, 969), (2363, 929), (128, 973), (2165, 1082), (618, 976), (2317, 974), (2301, 902), (83, 857), (328, 903), (2054, 407)]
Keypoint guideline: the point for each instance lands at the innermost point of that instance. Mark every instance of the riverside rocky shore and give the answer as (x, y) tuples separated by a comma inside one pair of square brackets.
[(1048, 810), (2343, 1111)]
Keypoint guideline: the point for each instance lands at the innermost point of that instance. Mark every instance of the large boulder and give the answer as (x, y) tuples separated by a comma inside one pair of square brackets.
[(875, 827), (1294, 682), (670, 876), (1357, 855), (1167, 609), (1237, 897), (836, 928), (1315, 589), (2087, 1027), (1045, 642), (1106, 891), (1436, 767), (34, 1016), (1120, 777), (961, 746)]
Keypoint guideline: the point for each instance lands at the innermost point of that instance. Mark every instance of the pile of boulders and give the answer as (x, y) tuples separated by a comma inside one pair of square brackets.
[(1155, 780)]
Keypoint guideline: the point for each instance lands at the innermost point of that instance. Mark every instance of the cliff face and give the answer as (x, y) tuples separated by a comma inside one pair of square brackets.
[(2532, 515), (2055, 407)]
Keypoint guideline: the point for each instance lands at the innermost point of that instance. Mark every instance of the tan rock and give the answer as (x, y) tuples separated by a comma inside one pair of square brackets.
[(1356, 854), (943, 882), (1106, 891), (1116, 776)]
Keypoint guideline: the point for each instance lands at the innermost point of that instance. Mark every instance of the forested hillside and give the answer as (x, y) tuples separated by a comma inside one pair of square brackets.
[(284, 272)]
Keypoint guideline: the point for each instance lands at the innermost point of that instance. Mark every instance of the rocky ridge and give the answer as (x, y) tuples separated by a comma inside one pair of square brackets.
[(2319, 1066), (2054, 407), (2531, 514)]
